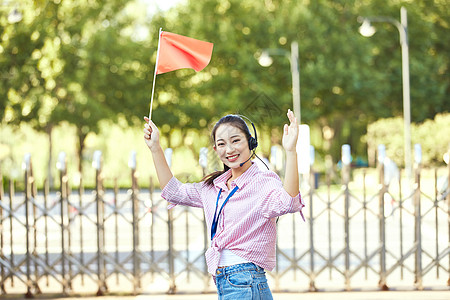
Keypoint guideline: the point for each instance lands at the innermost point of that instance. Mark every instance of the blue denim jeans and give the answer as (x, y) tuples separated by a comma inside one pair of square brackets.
[(243, 281)]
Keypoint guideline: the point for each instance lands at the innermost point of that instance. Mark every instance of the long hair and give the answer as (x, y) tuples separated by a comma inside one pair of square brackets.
[(233, 120)]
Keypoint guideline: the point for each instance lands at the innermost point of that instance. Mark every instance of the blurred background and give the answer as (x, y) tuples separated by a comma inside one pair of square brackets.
[(368, 79), (76, 76)]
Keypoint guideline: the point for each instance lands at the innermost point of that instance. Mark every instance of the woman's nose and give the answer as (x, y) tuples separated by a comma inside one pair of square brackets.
[(230, 148)]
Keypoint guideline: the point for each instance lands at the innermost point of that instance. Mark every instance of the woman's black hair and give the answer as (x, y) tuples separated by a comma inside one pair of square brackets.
[(233, 120)]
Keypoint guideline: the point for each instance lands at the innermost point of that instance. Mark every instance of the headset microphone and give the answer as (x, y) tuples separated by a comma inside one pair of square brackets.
[(241, 164)]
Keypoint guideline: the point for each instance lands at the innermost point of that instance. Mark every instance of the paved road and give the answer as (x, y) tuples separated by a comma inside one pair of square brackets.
[(356, 295)]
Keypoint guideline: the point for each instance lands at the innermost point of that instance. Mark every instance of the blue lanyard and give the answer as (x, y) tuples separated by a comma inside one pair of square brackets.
[(216, 221)]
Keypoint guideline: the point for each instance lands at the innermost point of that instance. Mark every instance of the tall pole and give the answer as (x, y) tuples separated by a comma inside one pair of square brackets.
[(403, 29), (402, 26), (295, 71), (265, 60)]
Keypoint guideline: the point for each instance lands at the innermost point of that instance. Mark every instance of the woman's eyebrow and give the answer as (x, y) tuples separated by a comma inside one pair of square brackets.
[(231, 137)]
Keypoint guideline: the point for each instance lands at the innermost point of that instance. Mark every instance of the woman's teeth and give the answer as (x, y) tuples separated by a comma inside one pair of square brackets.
[(232, 158)]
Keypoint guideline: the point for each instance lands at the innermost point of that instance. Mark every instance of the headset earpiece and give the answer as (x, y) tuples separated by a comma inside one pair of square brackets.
[(253, 141), (252, 144)]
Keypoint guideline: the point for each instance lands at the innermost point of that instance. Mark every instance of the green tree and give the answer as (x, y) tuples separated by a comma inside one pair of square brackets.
[(389, 132), (80, 62), (82, 66), (348, 81), (105, 72)]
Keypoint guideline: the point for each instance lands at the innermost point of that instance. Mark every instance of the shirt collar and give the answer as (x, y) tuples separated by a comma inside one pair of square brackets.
[(221, 181)]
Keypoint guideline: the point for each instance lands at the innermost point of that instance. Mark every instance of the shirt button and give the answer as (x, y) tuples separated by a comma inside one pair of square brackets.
[(218, 272)]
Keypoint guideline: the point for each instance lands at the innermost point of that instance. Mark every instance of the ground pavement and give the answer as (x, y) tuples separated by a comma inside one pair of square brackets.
[(353, 295)]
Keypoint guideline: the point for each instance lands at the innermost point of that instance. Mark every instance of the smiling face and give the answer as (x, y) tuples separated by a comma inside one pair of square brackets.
[(231, 145)]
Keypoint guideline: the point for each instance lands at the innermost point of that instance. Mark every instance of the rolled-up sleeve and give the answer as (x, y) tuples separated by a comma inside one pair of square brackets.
[(277, 201), (188, 194)]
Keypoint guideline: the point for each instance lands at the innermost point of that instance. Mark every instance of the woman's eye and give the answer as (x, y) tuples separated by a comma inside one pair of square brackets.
[(236, 141)]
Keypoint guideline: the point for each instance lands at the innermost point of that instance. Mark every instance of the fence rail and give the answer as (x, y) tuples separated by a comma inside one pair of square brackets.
[(366, 231)]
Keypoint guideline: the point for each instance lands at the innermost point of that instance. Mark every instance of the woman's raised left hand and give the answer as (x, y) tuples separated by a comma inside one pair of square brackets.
[(290, 134)]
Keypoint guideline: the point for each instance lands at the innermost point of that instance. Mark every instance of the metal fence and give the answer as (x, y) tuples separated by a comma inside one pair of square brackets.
[(364, 231)]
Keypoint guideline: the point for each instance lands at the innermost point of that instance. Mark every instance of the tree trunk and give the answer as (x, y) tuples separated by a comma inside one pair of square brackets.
[(81, 139)]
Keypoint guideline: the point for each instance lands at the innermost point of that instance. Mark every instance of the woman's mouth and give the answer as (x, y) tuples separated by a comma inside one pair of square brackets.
[(233, 158)]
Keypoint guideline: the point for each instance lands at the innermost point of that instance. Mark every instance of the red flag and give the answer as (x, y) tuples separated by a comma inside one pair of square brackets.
[(178, 52)]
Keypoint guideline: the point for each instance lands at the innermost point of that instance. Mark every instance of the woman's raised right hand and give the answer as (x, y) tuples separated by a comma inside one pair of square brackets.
[(151, 135)]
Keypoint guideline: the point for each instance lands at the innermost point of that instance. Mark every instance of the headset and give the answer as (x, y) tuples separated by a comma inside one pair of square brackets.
[(252, 143)]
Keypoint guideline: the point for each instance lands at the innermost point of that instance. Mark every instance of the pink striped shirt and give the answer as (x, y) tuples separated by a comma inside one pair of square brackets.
[(247, 224)]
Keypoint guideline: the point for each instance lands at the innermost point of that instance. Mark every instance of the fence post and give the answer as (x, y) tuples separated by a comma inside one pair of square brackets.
[(312, 185), (418, 221), (61, 211), (135, 212), (61, 166), (346, 159), (448, 207), (116, 228), (171, 255), (11, 200), (381, 157), (97, 164), (68, 230), (151, 190), (33, 188), (2, 270), (81, 245), (28, 178), (46, 195)]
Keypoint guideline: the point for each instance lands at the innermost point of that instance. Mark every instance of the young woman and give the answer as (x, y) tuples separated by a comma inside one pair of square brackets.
[(241, 205)]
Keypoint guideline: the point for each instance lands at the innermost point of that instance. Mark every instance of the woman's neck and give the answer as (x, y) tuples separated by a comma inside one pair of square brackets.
[(236, 172)]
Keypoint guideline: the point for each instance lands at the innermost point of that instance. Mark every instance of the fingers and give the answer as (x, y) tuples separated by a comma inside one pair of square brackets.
[(286, 129), (292, 128), (148, 121), (148, 128), (291, 117), (147, 132)]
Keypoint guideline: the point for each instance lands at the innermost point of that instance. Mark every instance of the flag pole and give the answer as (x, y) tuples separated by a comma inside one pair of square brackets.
[(154, 76)]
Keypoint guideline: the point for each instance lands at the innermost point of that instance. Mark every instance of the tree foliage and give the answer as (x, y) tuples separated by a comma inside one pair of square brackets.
[(81, 66), (389, 132), (347, 81), (84, 61)]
